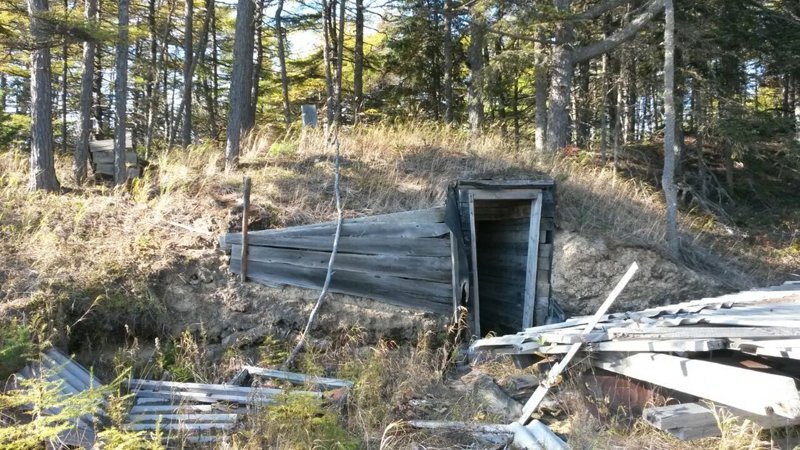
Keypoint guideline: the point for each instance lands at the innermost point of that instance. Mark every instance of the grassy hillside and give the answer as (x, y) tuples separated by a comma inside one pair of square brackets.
[(85, 269)]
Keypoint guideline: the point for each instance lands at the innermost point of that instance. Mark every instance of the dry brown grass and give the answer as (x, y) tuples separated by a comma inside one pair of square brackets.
[(85, 260)]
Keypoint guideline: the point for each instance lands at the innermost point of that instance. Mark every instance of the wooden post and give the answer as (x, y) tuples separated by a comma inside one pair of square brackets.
[(245, 210)]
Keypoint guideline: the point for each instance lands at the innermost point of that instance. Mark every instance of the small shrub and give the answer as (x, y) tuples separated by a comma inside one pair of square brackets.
[(15, 348)]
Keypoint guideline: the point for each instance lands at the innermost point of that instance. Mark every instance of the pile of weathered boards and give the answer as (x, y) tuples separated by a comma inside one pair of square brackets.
[(183, 413), (734, 356)]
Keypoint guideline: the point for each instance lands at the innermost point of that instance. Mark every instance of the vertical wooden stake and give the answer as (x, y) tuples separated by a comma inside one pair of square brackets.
[(245, 211)]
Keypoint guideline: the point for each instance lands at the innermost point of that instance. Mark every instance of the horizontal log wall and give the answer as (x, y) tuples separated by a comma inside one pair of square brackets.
[(402, 259)]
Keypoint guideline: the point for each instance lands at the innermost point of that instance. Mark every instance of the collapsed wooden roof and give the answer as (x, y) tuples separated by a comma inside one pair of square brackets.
[(695, 348)]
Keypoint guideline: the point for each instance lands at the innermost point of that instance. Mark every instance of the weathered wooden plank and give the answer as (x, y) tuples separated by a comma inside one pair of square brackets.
[(368, 229), (427, 295), (183, 396), (719, 383), (699, 332), (777, 348), (108, 169), (187, 418), (455, 270), (102, 157), (667, 346), (226, 389), (299, 378), (689, 421), (505, 194), (418, 216), (533, 309), (172, 409), (107, 145), (574, 337), (476, 305), (429, 268), (358, 245), (178, 426)]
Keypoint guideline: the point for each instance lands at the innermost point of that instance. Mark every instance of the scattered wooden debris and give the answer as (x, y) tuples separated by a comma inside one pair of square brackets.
[(690, 348), (190, 412), (533, 436)]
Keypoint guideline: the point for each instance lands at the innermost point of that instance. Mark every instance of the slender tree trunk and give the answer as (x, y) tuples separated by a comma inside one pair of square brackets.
[(621, 111), (604, 108), (796, 112), (667, 179), (287, 112), (326, 59), (85, 108), (42, 171), (584, 106), (64, 75), (121, 96), (214, 97), (540, 87), (241, 78), (475, 86), (249, 119), (700, 132), (358, 62), (629, 80), (97, 87), (3, 93), (150, 75), (186, 100), (339, 63), (515, 111), (199, 55), (786, 88), (447, 56)]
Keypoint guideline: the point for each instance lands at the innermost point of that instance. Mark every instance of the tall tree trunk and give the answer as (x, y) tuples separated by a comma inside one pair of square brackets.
[(796, 111), (199, 55), (214, 96), (287, 112), (327, 19), (584, 104), (85, 107), (97, 87), (604, 108), (540, 87), (667, 179), (629, 94), (619, 114), (561, 69), (42, 170), (150, 75), (121, 95), (339, 63), (447, 55), (3, 92), (515, 111), (249, 119), (241, 80), (64, 74), (358, 62), (188, 57), (475, 87)]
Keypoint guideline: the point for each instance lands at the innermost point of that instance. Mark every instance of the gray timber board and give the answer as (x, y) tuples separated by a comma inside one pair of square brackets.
[(718, 383), (429, 268), (298, 378), (427, 295), (358, 245)]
